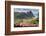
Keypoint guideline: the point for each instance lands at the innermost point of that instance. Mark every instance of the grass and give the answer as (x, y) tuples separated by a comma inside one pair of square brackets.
[(31, 21)]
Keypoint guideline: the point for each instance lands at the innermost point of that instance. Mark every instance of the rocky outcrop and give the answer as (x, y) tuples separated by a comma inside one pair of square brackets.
[(25, 25)]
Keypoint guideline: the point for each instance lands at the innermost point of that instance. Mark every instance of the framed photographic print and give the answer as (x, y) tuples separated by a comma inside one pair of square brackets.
[(24, 17)]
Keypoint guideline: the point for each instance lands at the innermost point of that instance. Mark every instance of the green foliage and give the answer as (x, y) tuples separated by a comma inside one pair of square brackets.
[(34, 22)]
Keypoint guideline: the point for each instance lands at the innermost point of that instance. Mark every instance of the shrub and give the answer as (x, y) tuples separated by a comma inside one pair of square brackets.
[(34, 22)]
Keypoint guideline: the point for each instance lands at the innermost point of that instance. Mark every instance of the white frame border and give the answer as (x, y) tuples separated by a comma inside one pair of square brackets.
[(25, 28)]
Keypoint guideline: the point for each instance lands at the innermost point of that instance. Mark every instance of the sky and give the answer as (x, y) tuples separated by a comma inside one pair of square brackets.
[(34, 11)]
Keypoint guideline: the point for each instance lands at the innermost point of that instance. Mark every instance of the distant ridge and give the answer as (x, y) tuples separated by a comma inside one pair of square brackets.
[(22, 15)]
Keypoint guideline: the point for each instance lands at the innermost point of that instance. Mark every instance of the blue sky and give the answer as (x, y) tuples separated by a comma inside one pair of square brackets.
[(34, 11)]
